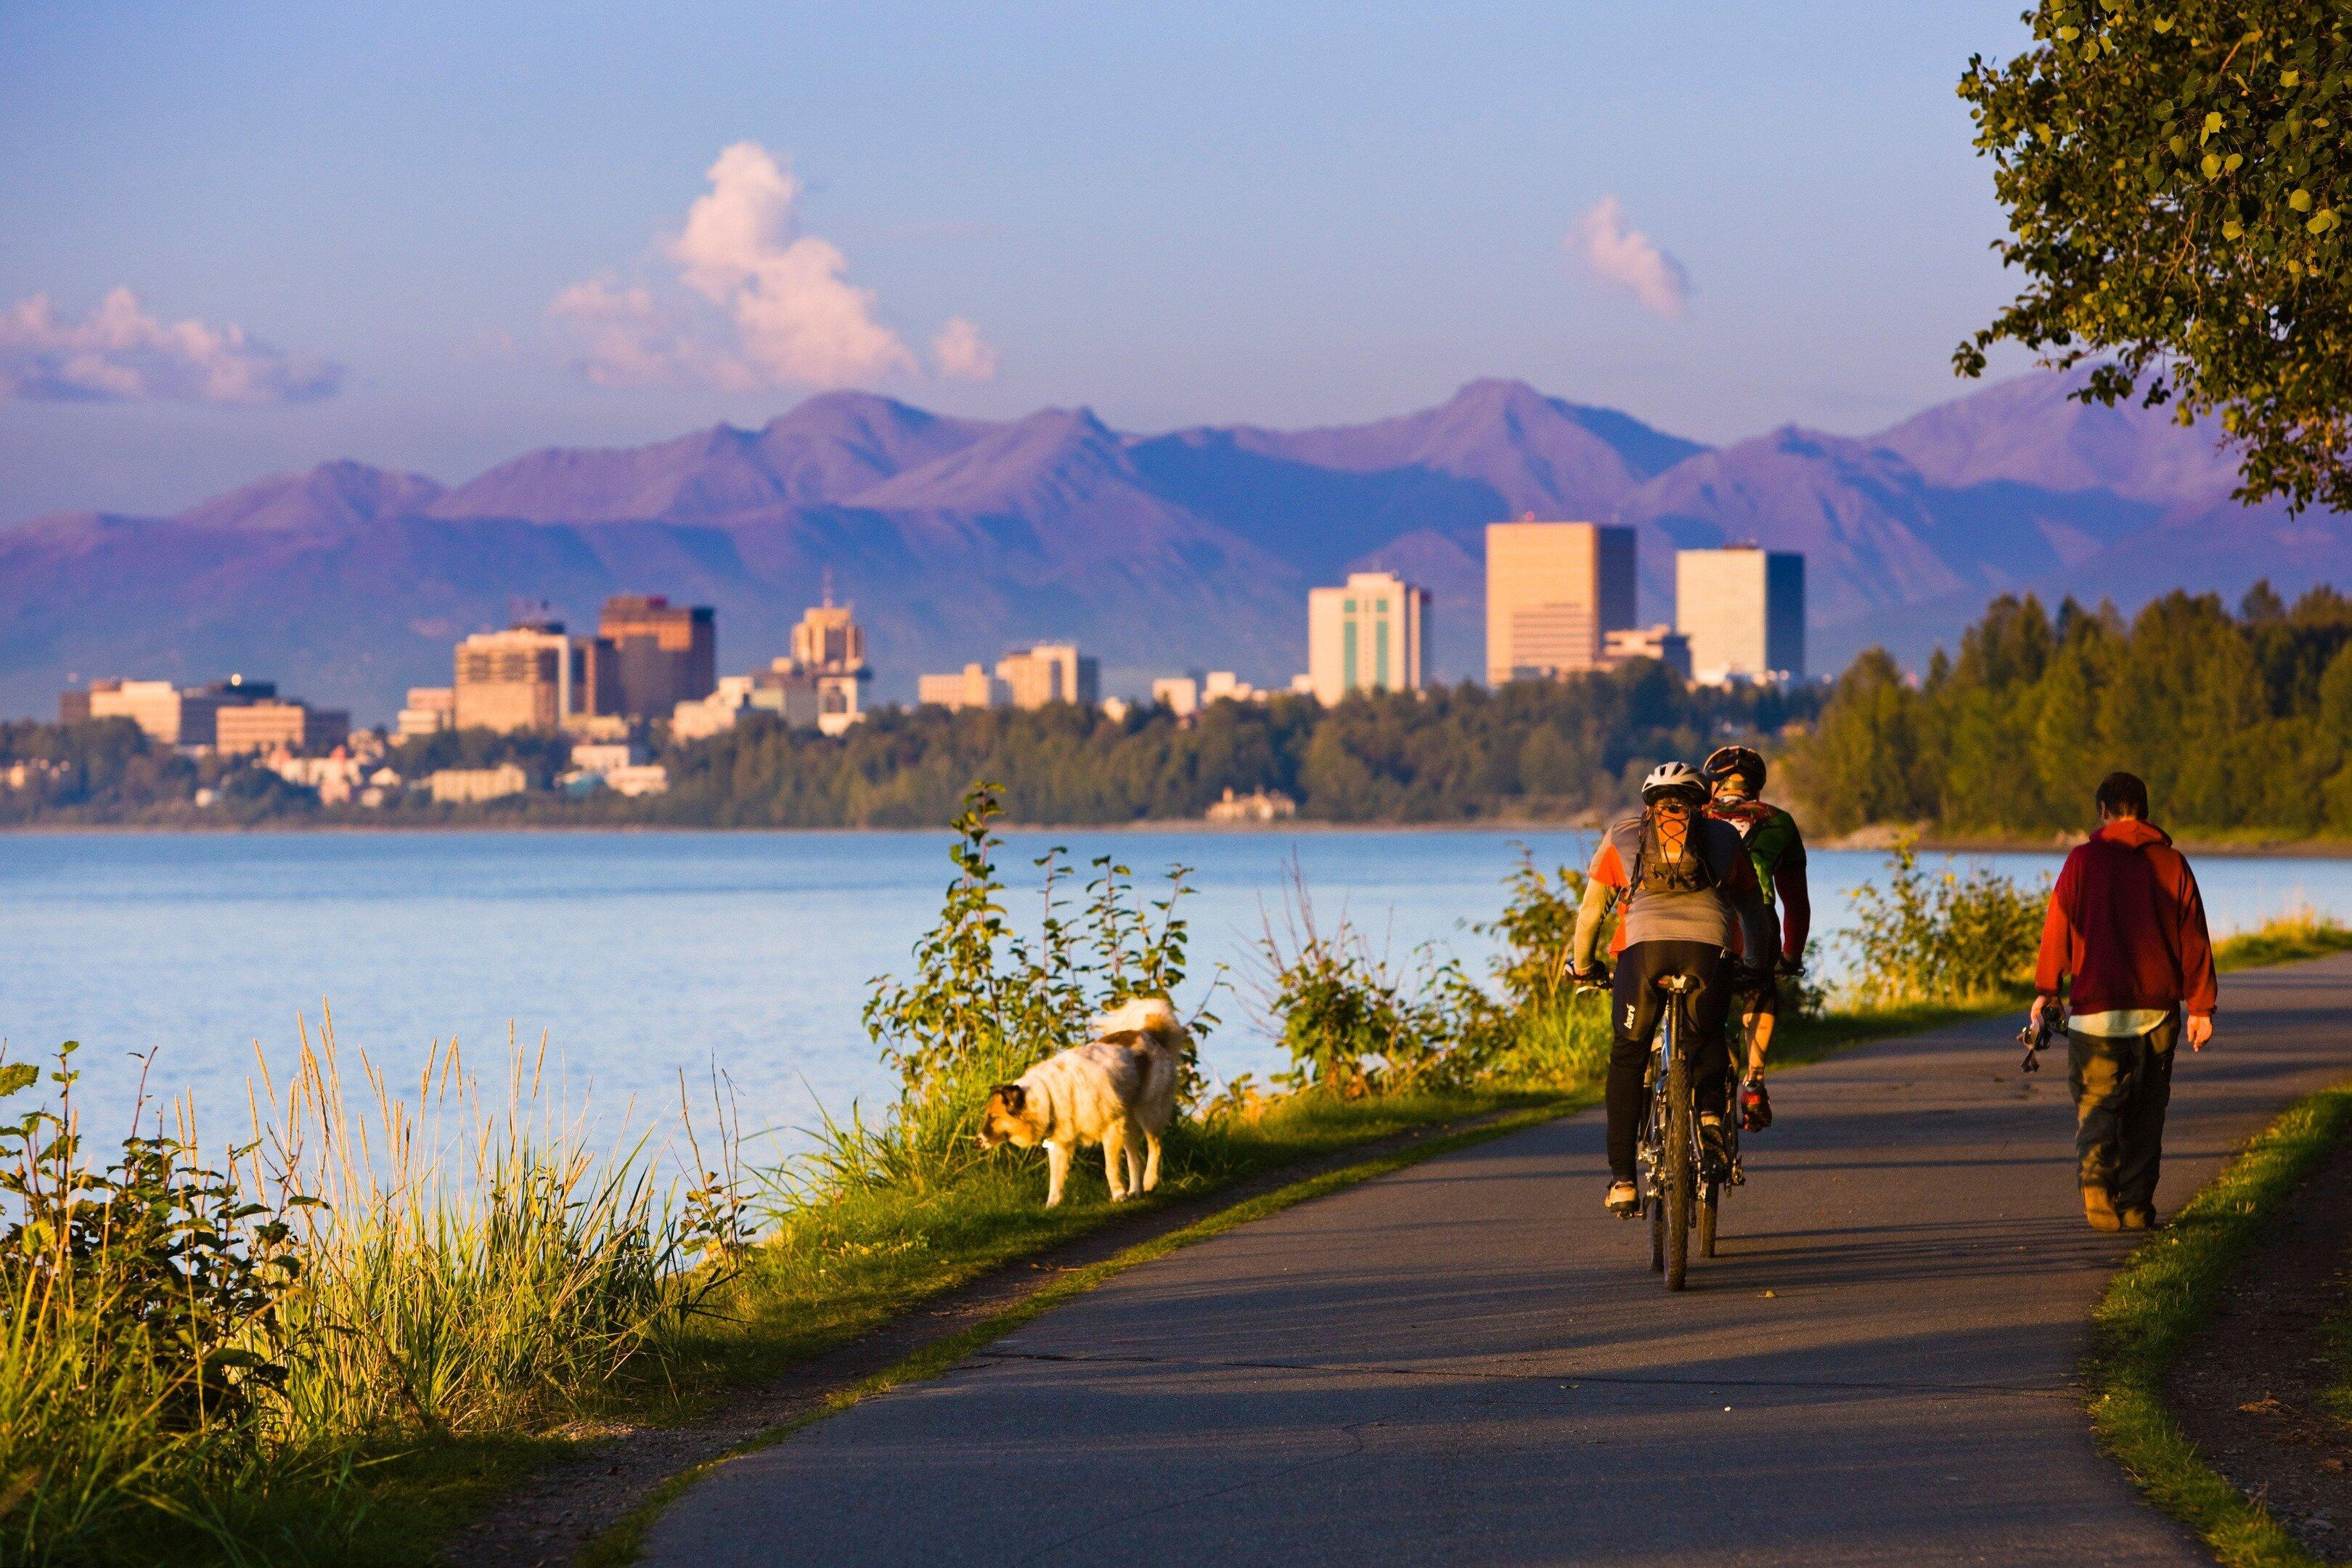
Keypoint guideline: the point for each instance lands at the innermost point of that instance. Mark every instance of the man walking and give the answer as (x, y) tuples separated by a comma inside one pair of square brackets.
[(2126, 924)]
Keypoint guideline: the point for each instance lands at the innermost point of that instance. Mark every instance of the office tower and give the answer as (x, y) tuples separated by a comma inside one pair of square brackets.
[(1743, 609), (829, 647), (662, 654), (1370, 635), (1050, 672), (532, 676), (1554, 592)]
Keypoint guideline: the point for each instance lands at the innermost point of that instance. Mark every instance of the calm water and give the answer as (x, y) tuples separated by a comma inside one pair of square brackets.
[(640, 955)]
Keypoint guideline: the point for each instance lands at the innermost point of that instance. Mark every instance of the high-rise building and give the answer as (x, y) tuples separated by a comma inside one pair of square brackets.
[(1050, 672), (532, 676), (971, 686), (1371, 635), (662, 654), (1743, 609), (829, 645), (1554, 593)]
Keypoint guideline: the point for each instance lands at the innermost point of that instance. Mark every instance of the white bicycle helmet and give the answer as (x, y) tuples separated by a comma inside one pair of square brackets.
[(1676, 779)]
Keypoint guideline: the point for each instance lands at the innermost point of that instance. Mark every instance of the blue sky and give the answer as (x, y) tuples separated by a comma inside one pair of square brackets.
[(1291, 215)]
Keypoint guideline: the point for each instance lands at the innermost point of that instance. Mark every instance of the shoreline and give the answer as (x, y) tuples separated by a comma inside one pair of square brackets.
[(1867, 840)]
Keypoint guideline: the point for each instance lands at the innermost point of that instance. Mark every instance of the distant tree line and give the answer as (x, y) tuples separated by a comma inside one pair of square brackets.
[(2242, 724)]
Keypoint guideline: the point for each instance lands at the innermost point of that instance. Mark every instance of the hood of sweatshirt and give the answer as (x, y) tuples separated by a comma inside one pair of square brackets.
[(2133, 834)]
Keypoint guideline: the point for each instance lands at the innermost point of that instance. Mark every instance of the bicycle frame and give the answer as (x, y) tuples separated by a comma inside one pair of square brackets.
[(1684, 1185)]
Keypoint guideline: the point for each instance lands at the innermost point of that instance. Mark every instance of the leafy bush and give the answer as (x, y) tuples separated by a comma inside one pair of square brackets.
[(985, 1002), (1944, 937)]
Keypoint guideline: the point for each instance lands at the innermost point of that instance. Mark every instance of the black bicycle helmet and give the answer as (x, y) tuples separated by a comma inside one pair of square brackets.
[(1726, 760)]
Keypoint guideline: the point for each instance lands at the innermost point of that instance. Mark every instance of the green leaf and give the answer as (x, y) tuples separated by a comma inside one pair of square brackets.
[(16, 1075)]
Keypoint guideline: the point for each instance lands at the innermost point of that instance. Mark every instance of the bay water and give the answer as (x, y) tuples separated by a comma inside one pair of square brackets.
[(640, 957)]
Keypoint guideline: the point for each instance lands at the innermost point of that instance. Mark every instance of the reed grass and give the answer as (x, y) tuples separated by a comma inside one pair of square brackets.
[(200, 1362)]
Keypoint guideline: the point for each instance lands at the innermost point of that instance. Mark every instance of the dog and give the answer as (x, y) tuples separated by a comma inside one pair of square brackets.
[(1118, 1090)]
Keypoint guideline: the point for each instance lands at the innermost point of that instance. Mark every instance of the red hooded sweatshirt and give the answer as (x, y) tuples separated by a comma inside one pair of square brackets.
[(2128, 922)]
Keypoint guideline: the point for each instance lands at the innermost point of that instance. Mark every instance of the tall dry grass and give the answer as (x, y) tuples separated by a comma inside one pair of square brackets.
[(191, 1341)]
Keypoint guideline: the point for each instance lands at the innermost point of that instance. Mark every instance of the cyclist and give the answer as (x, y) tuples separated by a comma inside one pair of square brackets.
[(1684, 879), (1777, 849)]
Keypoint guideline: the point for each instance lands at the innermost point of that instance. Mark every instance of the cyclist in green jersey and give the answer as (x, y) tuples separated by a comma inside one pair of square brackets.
[(1735, 774)]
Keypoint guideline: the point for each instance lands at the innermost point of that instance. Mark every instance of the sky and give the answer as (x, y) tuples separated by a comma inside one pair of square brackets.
[(239, 239)]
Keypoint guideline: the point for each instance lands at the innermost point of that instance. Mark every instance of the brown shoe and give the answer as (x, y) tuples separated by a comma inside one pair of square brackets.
[(2139, 1219), (2099, 1208)]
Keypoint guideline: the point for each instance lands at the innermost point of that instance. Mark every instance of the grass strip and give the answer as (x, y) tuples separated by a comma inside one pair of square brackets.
[(2164, 1292), (623, 1542)]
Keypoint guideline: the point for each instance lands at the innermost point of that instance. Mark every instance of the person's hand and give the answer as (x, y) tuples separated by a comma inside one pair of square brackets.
[(1793, 967), (2033, 1016), (2200, 1031), (1596, 977)]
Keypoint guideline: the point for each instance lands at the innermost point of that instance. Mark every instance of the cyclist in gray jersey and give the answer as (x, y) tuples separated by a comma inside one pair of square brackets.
[(1689, 897)]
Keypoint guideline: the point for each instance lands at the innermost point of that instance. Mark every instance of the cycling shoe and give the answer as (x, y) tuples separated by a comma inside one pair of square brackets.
[(1624, 1200), (1755, 1106)]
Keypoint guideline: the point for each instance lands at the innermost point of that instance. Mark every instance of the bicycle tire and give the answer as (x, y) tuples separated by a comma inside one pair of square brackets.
[(1680, 1176), (1710, 1200)]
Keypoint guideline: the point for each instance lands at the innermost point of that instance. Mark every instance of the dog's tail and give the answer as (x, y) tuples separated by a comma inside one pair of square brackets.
[(1142, 1016)]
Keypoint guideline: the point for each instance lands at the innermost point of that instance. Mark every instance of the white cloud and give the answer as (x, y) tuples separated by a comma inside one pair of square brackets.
[(628, 337), (963, 354), (120, 354), (792, 316), (1629, 259)]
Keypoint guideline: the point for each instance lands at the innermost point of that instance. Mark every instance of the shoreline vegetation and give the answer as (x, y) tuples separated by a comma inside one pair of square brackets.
[(338, 1340)]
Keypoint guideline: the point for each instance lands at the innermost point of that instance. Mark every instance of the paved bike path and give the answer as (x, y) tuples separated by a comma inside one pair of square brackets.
[(1468, 1361)]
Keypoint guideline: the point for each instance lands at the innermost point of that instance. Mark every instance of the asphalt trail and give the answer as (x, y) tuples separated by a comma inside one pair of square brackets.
[(1468, 1361)]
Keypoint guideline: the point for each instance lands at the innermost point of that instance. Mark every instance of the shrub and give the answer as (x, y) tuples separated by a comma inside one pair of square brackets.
[(985, 1004), (1944, 937)]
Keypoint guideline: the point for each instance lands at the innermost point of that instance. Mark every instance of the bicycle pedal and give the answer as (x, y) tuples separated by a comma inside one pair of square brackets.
[(1738, 1177)]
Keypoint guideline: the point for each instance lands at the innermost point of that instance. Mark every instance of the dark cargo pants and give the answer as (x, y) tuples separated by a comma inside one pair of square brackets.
[(2122, 1084)]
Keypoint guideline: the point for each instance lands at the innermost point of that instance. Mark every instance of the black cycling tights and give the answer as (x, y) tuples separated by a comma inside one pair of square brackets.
[(1636, 1004)]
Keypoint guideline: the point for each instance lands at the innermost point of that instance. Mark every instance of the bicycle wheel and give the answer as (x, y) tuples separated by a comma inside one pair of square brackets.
[(1681, 1179), (1710, 1199), (1657, 1234)]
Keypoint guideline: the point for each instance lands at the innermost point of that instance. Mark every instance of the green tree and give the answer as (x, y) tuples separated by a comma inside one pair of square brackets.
[(2174, 176)]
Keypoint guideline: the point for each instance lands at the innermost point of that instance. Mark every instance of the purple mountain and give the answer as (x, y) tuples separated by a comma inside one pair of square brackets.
[(956, 538)]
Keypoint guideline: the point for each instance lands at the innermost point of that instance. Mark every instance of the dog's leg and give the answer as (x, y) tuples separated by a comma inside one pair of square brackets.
[(1115, 1160), (1137, 1182), (1057, 1166), (1151, 1161)]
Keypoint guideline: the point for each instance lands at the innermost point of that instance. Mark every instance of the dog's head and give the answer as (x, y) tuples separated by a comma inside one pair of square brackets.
[(1006, 1119)]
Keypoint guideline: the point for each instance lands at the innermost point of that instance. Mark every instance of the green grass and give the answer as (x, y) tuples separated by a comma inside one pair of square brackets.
[(2163, 1295), (2284, 938)]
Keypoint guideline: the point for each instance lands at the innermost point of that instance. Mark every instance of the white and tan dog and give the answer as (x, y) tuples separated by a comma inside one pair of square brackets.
[(1118, 1090)]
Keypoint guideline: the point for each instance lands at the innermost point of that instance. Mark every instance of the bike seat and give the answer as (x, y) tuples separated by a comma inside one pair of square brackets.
[(1674, 984)]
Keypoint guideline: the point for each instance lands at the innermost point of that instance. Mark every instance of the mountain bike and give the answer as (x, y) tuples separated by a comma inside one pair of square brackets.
[(1684, 1183)]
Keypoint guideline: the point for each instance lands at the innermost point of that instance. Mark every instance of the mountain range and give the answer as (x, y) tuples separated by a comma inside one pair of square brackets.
[(959, 538)]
